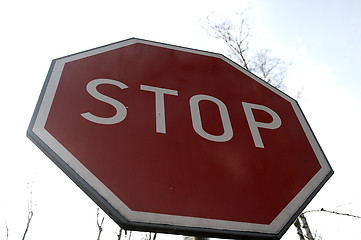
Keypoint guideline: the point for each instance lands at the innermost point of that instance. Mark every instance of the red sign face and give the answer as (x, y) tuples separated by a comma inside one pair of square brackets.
[(173, 138)]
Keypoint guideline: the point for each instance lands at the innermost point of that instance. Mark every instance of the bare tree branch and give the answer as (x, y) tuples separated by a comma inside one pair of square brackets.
[(149, 237), (30, 211), (119, 234), (270, 69), (303, 229), (333, 212), (260, 62), (236, 38), (125, 234), (297, 224), (154, 236), (7, 230), (305, 226), (100, 222)]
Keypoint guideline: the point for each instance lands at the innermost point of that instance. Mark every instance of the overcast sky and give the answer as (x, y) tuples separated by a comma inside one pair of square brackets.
[(322, 40)]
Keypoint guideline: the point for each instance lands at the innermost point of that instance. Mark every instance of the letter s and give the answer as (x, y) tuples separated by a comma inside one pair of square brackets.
[(121, 111)]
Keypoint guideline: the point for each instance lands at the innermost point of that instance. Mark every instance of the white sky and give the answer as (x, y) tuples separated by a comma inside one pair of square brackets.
[(322, 39)]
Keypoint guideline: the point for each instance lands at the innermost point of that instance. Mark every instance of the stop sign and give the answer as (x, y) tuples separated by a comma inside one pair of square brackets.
[(177, 140)]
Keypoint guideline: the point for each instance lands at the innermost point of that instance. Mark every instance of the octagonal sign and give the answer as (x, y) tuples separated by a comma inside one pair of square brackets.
[(177, 140)]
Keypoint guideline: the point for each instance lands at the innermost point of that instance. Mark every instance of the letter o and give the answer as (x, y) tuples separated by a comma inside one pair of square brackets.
[(197, 121)]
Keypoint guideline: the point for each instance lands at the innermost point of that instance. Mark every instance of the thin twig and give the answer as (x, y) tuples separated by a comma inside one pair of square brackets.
[(100, 224), (7, 230), (297, 224), (30, 212), (119, 234), (333, 212), (305, 226), (154, 236)]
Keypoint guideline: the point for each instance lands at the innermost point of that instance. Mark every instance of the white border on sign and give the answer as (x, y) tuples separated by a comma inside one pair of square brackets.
[(154, 218)]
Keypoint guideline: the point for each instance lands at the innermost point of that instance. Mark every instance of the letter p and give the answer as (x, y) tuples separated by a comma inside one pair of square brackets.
[(254, 125)]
